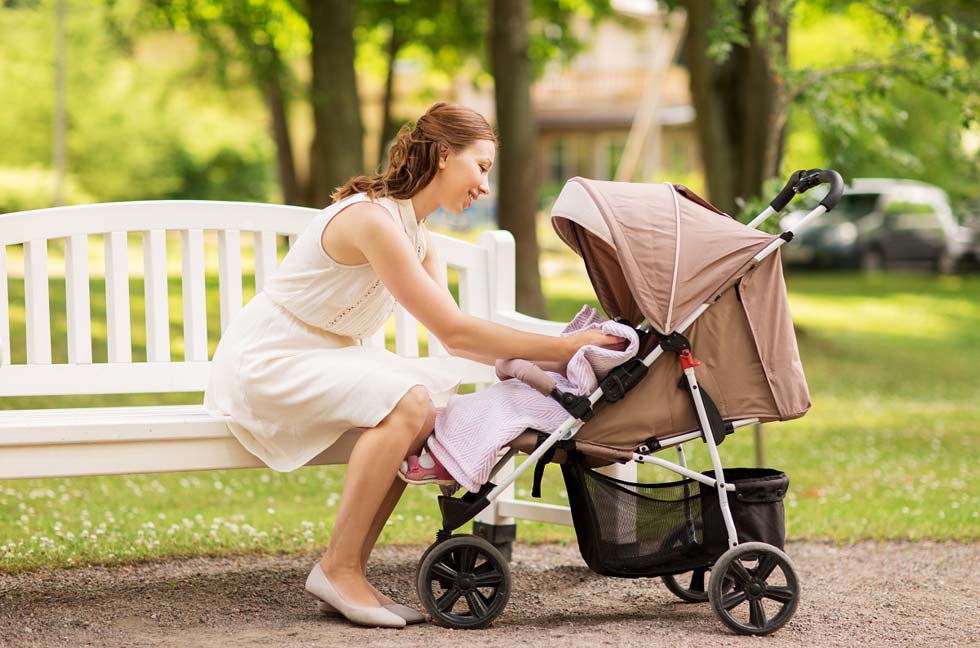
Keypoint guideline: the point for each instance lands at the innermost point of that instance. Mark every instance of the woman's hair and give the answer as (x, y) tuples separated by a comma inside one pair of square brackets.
[(413, 158)]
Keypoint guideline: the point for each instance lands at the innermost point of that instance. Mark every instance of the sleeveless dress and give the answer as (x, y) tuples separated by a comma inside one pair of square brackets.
[(291, 370)]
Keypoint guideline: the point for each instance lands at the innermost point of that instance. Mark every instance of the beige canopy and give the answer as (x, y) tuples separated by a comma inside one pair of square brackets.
[(657, 252)]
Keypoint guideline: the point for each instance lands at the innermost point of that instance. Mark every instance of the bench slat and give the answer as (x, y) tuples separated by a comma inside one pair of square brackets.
[(106, 441), (38, 310), (156, 294), (118, 334), (78, 306), (59, 222), (474, 289), (4, 309), (436, 349), (229, 275), (502, 275), (265, 258), (406, 333), (376, 341), (104, 378), (195, 305), (106, 424), (157, 377)]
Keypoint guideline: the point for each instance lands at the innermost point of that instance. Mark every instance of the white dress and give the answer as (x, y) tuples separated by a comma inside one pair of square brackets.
[(291, 371)]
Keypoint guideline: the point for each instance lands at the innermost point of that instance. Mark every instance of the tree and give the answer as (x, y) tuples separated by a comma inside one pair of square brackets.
[(518, 181), (338, 151), (449, 31), (264, 36), (743, 86), (736, 91)]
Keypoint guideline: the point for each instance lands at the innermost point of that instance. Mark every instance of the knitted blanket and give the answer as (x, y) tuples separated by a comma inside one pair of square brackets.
[(473, 428)]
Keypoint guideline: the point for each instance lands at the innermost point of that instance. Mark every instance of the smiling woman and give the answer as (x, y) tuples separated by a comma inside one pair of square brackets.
[(291, 372), (448, 153)]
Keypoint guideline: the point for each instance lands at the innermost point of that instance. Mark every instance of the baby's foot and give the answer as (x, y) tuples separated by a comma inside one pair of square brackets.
[(424, 469)]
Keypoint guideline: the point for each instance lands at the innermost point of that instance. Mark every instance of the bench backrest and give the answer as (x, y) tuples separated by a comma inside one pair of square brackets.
[(259, 233)]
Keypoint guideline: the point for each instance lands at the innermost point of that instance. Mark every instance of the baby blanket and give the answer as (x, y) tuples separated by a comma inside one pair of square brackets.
[(473, 428)]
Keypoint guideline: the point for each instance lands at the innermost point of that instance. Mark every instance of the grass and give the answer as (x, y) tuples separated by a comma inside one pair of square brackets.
[(887, 452)]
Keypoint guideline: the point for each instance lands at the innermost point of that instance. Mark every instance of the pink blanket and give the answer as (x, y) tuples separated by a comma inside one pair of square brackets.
[(473, 428)]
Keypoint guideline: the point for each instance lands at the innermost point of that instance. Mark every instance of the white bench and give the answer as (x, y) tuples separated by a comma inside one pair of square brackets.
[(145, 439)]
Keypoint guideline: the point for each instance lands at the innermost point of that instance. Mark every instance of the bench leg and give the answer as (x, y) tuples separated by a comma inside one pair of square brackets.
[(496, 529)]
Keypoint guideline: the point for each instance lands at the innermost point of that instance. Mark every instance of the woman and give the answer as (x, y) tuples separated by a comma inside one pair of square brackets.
[(291, 370)]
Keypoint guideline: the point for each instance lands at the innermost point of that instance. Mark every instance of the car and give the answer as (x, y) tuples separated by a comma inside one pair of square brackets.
[(882, 223), (970, 259)]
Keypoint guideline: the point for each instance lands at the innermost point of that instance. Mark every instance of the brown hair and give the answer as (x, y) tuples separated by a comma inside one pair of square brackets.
[(413, 158)]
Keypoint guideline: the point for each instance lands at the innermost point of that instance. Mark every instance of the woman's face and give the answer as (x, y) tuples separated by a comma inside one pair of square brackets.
[(463, 175)]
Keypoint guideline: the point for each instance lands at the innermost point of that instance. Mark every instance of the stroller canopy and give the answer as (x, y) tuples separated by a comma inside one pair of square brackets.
[(658, 252), (653, 251)]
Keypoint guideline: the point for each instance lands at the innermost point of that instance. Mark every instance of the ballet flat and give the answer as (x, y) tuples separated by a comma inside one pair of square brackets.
[(318, 585), (410, 615)]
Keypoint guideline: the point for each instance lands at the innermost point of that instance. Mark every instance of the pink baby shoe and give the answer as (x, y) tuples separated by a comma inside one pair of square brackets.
[(424, 469)]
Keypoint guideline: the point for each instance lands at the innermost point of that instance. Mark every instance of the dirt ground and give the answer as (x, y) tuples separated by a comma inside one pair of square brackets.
[(869, 594)]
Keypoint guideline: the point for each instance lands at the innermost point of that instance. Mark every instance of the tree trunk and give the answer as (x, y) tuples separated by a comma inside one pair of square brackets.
[(518, 181), (338, 152), (279, 124), (739, 103), (387, 124)]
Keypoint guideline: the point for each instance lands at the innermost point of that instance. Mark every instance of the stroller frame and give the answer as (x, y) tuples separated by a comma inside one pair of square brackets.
[(768, 556)]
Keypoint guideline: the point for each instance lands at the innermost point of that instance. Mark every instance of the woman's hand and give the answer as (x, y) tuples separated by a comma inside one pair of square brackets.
[(594, 337)]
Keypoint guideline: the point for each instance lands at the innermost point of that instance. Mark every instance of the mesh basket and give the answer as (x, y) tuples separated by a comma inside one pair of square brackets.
[(639, 530)]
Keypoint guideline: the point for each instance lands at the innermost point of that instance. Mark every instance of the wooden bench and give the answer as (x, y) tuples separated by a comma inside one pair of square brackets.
[(61, 442)]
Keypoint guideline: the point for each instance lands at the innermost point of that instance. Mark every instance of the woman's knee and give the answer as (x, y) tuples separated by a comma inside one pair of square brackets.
[(415, 408)]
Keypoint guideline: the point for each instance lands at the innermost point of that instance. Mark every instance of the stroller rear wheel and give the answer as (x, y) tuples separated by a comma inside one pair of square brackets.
[(696, 590), (463, 582), (765, 590)]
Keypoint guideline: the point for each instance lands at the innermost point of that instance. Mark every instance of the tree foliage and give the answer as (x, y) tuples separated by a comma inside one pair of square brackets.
[(900, 96), (855, 92), (134, 126)]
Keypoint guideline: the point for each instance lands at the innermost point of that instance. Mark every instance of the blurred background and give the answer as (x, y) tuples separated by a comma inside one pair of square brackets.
[(283, 100)]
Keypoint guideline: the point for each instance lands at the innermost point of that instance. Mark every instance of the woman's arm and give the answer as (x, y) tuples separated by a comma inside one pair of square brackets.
[(370, 229)]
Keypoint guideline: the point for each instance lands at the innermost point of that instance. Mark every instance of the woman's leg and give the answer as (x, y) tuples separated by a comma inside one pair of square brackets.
[(395, 491), (391, 500), (369, 491)]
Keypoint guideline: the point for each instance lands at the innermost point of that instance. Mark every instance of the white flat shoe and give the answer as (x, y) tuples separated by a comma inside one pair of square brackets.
[(411, 615), (320, 587)]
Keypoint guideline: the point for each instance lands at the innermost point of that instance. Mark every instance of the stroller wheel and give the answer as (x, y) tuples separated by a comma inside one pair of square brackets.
[(696, 590), (463, 582), (765, 590)]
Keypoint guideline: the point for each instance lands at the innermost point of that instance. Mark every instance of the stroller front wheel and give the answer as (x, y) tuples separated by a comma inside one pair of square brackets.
[(463, 582), (764, 590)]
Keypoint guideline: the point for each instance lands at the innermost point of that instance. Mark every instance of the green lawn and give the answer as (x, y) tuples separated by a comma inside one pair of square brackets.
[(886, 452)]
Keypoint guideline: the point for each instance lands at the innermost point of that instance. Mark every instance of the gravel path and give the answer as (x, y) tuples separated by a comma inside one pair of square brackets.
[(869, 594)]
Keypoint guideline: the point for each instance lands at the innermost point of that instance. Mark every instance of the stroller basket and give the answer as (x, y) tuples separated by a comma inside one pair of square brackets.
[(641, 530), (756, 505)]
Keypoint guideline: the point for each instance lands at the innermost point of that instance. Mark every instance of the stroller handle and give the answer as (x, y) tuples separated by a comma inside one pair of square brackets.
[(802, 181)]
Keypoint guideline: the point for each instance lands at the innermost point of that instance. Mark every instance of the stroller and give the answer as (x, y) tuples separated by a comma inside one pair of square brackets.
[(708, 292)]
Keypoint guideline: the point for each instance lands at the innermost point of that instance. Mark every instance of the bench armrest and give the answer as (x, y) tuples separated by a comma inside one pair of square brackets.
[(527, 323)]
